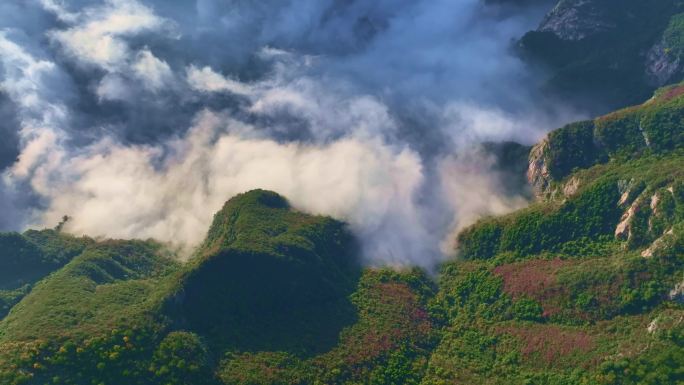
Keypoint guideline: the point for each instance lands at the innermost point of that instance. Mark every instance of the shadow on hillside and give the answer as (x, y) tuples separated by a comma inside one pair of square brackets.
[(253, 302)]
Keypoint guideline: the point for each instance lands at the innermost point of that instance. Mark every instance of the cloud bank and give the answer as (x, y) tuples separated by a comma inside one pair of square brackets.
[(141, 118)]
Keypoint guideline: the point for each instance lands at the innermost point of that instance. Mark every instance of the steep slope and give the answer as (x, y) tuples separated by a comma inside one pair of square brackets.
[(585, 285), (26, 258), (96, 318), (652, 128), (610, 52), (111, 284), (389, 343), (269, 278)]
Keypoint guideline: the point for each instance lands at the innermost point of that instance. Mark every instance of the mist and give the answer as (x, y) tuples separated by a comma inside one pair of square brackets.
[(139, 119)]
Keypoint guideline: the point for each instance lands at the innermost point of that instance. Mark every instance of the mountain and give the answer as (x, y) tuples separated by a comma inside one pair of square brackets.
[(27, 258), (269, 285), (584, 286), (605, 54)]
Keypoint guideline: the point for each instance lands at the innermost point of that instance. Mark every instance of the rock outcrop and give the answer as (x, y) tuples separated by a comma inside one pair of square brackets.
[(575, 20), (656, 245), (677, 293), (661, 67), (538, 174), (623, 231)]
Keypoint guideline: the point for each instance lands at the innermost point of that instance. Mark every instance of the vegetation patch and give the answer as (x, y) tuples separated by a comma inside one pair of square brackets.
[(550, 343)]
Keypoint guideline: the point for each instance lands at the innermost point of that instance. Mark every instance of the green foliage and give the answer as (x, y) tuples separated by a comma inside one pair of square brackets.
[(674, 36), (571, 147), (546, 296), (25, 258), (393, 335), (111, 284), (662, 365), (182, 359), (651, 128), (264, 368), (481, 241), (589, 215), (527, 309), (120, 356), (403, 367), (661, 123), (9, 298), (298, 270)]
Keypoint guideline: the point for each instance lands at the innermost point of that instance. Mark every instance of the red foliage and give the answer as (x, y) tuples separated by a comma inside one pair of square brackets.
[(396, 317), (534, 279), (672, 93), (530, 279), (550, 342)]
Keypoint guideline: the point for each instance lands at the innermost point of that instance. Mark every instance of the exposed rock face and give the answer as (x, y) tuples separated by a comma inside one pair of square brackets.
[(571, 187), (660, 66), (655, 199), (623, 231), (677, 293), (575, 20), (658, 243), (626, 189), (538, 174)]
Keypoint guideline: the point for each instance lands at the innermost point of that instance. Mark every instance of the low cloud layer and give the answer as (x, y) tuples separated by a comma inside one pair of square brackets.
[(141, 118)]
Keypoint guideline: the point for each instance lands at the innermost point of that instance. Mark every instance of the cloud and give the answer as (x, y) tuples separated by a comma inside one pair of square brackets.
[(113, 87), (470, 184), (153, 72), (139, 118), (207, 80), (135, 192), (27, 81), (60, 10), (99, 40)]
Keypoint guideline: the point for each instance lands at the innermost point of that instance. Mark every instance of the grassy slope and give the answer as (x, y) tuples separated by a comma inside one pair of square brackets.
[(27, 258), (109, 284)]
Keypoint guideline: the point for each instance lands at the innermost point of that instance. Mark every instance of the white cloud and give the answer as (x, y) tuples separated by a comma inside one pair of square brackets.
[(467, 123), (23, 74), (34, 153), (113, 87), (354, 170), (99, 38), (117, 191), (59, 9), (352, 161), (153, 72), (469, 185), (27, 81), (331, 109), (207, 80)]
